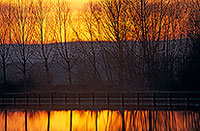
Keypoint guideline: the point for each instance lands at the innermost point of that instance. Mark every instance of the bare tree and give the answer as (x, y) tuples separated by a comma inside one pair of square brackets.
[(116, 26), (5, 36), (189, 69), (65, 48), (23, 36), (81, 72), (151, 20), (44, 34), (104, 58), (193, 6), (91, 33)]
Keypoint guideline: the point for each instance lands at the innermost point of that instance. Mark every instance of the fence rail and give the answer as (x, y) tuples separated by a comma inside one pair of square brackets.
[(119, 101)]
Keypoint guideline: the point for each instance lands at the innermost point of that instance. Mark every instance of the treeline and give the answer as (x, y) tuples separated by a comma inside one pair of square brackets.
[(139, 44)]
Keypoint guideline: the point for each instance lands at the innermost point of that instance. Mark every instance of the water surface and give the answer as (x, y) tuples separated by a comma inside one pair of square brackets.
[(105, 120)]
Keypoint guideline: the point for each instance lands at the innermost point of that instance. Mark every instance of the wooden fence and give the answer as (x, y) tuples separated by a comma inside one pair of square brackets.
[(97, 101)]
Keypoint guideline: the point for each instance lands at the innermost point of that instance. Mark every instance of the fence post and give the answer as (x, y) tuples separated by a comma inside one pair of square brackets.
[(65, 98), (52, 100), (154, 99), (108, 99), (138, 100), (79, 99), (26, 100), (3, 101), (93, 98), (188, 101), (14, 101), (170, 100), (39, 100), (122, 100)]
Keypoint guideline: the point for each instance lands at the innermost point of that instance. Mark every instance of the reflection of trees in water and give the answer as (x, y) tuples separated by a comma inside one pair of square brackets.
[(192, 119), (161, 120), (105, 120), (136, 120), (109, 120), (175, 120)]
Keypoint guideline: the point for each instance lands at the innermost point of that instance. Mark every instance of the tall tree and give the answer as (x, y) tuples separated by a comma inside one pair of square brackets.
[(91, 33), (5, 36), (44, 35), (189, 70), (65, 49), (23, 36), (116, 27), (150, 21)]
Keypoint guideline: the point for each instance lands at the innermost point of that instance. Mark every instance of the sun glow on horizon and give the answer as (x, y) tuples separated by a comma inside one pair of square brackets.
[(75, 5)]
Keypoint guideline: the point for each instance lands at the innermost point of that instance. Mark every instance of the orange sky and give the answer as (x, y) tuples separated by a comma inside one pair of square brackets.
[(75, 5)]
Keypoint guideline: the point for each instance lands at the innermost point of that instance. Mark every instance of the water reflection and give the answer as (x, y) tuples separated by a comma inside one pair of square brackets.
[(105, 120), (37, 121)]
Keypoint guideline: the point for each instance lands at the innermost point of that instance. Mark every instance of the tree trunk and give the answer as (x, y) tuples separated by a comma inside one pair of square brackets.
[(4, 71), (47, 71), (69, 73)]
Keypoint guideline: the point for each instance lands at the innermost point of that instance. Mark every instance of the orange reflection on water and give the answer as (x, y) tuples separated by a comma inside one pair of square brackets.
[(105, 120), (16, 121), (37, 121), (136, 120), (60, 120), (109, 120), (178, 120), (83, 120), (2, 121)]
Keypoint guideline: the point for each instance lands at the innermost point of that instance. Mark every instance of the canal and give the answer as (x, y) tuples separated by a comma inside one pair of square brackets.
[(103, 120)]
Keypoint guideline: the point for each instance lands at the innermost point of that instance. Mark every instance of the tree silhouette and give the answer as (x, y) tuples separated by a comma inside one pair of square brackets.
[(23, 36), (5, 37), (190, 70), (44, 33), (65, 49), (116, 26)]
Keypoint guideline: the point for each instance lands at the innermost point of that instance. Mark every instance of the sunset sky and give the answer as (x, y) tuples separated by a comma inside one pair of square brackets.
[(75, 5)]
